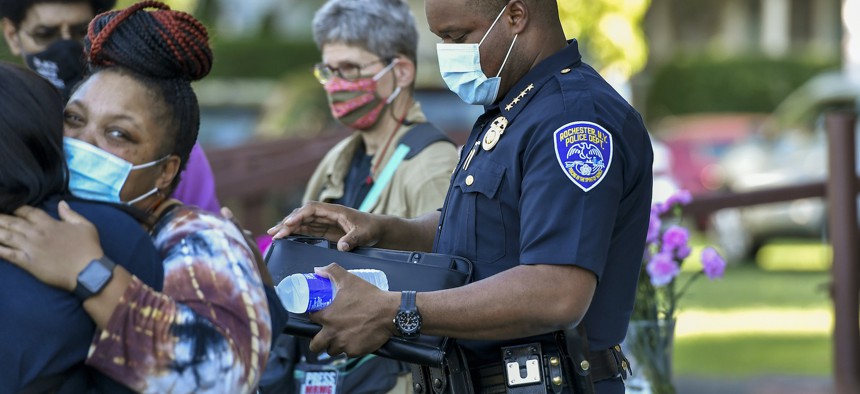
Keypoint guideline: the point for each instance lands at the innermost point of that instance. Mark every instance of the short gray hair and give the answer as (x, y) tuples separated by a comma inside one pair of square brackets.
[(383, 27)]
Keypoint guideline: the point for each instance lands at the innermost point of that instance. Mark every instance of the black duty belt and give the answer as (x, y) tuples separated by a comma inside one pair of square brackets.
[(602, 365)]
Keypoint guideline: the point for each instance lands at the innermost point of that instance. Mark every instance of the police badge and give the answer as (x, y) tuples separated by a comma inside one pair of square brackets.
[(584, 152), (494, 134)]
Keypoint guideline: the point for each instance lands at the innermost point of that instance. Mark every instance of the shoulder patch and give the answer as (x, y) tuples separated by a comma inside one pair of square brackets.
[(584, 152)]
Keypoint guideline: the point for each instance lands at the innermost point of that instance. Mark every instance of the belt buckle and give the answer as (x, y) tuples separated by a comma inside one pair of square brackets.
[(523, 358)]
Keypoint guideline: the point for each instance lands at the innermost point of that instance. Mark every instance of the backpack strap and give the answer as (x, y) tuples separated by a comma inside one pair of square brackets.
[(412, 143), (421, 136)]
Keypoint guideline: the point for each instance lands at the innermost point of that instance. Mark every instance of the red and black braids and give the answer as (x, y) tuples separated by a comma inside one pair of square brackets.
[(165, 50), (163, 43)]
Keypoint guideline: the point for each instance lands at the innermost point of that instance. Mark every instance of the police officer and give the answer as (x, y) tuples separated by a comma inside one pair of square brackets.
[(550, 200)]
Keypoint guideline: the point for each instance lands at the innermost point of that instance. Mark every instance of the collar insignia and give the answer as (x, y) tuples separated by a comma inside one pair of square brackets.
[(519, 97)]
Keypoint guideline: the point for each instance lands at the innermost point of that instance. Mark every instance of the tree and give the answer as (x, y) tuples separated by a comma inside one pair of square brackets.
[(611, 33)]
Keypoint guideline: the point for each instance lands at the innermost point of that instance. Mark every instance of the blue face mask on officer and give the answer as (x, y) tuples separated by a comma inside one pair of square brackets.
[(98, 175), (460, 66)]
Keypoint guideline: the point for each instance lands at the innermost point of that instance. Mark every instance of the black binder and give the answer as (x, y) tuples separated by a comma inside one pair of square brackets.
[(417, 271)]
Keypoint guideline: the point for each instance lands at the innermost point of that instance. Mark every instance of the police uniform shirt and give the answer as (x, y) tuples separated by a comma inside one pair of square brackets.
[(557, 172)]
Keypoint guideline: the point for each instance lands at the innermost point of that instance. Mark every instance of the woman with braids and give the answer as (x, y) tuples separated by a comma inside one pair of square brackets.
[(129, 130)]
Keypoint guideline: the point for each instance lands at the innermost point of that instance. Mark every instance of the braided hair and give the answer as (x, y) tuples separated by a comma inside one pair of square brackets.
[(164, 50)]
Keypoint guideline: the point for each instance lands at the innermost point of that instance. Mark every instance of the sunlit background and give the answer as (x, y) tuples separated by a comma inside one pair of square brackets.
[(733, 92)]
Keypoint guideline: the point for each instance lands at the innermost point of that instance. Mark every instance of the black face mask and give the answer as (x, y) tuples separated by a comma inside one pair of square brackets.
[(62, 64)]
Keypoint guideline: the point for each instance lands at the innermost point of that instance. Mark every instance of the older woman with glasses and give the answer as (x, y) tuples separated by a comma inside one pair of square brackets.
[(394, 162), (368, 72)]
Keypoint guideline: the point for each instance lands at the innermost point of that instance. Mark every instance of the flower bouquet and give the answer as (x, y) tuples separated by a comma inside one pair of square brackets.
[(652, 325)]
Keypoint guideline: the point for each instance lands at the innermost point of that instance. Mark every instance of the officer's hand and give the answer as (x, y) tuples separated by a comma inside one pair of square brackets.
[(359, 321), (346, 226)]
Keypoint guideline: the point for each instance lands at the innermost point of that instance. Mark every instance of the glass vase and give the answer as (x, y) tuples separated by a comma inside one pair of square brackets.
[(648, 346)]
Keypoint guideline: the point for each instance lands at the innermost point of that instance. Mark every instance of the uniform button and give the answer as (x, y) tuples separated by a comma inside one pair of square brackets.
[(470, 180), (565, 71)]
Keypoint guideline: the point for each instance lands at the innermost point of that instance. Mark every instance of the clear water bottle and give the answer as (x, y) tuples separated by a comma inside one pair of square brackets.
[(302, 293)]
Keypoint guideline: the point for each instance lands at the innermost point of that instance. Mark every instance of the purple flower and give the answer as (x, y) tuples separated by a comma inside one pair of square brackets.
[(681, 197), (712, 263), (654, 224), (675, 241), (662, 269), (683, 252), (659, 208)]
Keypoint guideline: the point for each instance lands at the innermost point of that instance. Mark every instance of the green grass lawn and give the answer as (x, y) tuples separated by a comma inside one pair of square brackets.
[(739, 356), (750, 287)]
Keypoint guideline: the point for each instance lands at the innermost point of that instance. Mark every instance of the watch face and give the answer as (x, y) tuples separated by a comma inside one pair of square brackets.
[(408, 322), (95, 276)]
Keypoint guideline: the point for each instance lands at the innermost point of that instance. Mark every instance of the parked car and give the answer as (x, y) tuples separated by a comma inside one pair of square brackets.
[(790, 148), (698, 142)]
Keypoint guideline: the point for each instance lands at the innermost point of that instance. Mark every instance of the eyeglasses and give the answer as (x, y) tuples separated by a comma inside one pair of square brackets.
[(47, 35), (348, 71)]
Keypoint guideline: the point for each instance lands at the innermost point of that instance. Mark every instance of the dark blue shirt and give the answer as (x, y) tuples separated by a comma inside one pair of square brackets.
[(567, 182), (45, 330), (358, 180)]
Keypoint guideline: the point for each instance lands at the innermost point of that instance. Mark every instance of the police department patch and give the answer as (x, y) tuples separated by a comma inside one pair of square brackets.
[(584, 152)]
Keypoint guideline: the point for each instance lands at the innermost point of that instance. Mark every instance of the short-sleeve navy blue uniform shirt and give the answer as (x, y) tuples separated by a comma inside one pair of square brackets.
[(45, 330), (560, 174)]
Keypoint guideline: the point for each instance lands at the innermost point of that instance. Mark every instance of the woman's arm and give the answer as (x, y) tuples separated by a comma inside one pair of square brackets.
[(208, 331)]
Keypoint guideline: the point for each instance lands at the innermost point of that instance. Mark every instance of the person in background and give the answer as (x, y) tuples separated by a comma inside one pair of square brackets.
[(48, 35), (550, 201), (209, 330), (368, 72), (46, 332), (394, 162), (197, 183)]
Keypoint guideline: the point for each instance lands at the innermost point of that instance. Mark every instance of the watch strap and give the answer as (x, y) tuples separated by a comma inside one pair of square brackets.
[(408, 316), (407, 300)]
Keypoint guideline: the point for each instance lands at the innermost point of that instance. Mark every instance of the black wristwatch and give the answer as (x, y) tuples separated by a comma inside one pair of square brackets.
[(408, 320), (93, 278)]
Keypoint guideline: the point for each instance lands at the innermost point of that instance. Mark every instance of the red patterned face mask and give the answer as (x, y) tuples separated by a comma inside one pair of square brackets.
[(355, 103)]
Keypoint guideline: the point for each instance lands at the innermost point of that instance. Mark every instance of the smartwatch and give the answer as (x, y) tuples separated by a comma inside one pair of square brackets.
[(94, 278), (408, 320)]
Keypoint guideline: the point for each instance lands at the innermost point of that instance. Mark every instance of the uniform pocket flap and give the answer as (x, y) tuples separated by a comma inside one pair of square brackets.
[(483, 177)]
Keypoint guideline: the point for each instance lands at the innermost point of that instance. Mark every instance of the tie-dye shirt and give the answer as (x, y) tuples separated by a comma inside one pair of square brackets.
[(208, 331)]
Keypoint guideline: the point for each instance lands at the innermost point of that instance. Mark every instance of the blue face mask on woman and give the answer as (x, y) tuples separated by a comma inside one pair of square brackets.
[(98, 175), (460, 65)]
